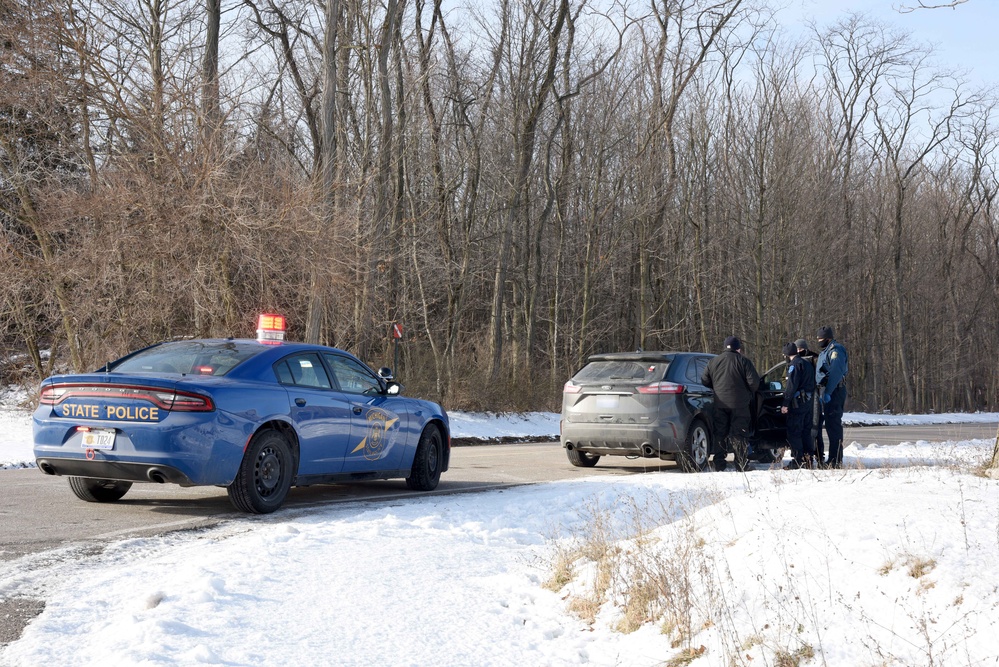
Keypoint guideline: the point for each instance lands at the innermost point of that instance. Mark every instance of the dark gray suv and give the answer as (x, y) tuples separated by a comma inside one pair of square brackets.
[(653, 405)]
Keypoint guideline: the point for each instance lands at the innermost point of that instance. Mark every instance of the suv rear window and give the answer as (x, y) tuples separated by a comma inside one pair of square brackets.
[(189, 357), (621, 371)]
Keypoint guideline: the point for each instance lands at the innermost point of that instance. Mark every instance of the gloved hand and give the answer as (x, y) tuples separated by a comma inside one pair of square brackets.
[(826, 397)]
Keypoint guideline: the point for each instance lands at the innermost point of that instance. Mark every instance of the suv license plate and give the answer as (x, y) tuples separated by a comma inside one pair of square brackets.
[(607, 402), (99, 438)]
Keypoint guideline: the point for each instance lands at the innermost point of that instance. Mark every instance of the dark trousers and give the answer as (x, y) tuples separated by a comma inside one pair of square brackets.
[(832, 414), (799, 434), (817, 421), (728, 423)]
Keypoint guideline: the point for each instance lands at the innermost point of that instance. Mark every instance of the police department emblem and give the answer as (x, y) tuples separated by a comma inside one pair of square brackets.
[(377, 438)]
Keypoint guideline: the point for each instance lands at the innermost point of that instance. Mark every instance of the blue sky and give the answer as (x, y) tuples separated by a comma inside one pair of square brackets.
[(965, 36)]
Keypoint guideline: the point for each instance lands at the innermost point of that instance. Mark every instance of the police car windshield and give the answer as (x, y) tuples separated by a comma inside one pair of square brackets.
[(187, 357)]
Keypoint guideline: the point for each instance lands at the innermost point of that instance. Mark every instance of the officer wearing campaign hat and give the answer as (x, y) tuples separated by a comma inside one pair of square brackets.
[(798, 407), (830, 373), (734, 380)]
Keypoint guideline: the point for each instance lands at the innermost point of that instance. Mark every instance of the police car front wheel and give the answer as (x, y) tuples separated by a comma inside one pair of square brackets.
[(426, 470)]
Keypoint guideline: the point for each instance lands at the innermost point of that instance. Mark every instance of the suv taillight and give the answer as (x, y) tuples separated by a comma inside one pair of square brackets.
[(571, 388), (661, 388)]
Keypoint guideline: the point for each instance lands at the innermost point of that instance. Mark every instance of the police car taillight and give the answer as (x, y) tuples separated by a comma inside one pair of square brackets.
[(270, 328)]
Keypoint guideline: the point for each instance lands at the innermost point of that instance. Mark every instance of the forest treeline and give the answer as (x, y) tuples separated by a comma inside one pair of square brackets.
[(519, 183)]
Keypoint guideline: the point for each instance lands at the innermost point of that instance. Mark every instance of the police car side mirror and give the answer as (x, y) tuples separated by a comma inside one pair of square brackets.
[(775, 386), (393, 389)]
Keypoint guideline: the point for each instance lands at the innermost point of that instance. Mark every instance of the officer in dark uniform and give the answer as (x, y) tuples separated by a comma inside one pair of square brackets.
[(734, 380), (816, 434), (798, 394), (830, 373)]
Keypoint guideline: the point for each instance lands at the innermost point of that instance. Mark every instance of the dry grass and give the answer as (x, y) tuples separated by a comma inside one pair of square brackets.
[(655, 571), (918, 567), (641, 601), (584, 608), (686, 656), (561, 569), (794, 659)]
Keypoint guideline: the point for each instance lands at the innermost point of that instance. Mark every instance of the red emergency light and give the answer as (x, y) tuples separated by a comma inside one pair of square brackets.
[(271, 328)]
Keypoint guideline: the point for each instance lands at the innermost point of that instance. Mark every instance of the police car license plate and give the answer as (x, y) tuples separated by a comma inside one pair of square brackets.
[(99, 438)]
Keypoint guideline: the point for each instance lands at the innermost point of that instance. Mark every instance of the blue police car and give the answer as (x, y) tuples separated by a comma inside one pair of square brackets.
[(256, 416)]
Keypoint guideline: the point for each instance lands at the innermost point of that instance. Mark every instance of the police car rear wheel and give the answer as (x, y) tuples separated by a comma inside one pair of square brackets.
[(264, 476), (426, 471), (98, 490)]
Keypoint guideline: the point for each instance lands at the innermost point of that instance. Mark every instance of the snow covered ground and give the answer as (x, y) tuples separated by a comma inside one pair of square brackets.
[(889, 562)]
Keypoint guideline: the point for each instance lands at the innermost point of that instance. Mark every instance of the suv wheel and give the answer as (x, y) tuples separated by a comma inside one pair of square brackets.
[(582, 459), (694, 457)]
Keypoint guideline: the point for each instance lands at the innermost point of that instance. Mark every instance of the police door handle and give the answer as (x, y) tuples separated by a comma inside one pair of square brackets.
[(357, 409), (300, 402)]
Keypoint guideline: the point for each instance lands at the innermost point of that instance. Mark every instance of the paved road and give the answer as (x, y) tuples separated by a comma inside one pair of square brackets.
[(38, 512)]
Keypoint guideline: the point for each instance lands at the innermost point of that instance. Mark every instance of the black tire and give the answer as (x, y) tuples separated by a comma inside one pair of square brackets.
[(264, 476), (98, 490), (766, 456), (771, 457), (426, 471), (582, 459), (696, 448)]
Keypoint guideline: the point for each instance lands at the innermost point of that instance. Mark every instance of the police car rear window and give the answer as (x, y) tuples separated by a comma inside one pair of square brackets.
[(622, 372), (188, 357)]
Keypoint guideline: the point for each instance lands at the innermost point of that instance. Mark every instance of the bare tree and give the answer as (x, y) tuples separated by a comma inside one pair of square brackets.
[(903, 148), (543, 30), (905, 8)]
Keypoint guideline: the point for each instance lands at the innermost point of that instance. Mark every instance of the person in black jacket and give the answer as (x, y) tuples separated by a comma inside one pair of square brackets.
[(734, 380), (816, 434), (798, 395)]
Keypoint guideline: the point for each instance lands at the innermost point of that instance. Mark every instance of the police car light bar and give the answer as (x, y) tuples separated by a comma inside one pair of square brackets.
[(270, 328)]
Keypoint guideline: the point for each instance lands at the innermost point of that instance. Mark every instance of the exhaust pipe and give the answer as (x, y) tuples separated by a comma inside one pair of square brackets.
[(46, 468), (569, 446), (156, 475), (647, 451)]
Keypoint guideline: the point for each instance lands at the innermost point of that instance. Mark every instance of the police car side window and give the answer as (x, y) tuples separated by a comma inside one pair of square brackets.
[(352, 377), (306, 370), (283, 373)]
